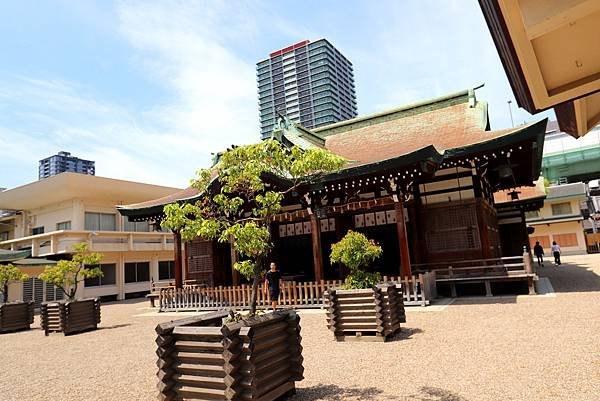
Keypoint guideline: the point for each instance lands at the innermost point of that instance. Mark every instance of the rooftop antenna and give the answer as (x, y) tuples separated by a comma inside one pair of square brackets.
[(512, 123)]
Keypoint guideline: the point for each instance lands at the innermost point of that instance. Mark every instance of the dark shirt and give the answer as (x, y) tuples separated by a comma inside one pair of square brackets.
[(273, 278), (538, 250)]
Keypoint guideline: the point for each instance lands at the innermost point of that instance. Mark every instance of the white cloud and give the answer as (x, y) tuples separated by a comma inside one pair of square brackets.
[(202, 55), (182, 46)]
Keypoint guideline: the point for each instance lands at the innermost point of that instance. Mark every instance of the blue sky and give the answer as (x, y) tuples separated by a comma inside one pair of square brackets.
[(149, 89)]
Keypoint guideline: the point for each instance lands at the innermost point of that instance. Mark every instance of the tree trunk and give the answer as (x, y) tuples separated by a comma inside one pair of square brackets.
[(5, 292), (254, 294)]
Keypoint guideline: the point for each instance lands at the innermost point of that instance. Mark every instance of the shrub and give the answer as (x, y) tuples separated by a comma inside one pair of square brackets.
[(67, 274), (356, 252)]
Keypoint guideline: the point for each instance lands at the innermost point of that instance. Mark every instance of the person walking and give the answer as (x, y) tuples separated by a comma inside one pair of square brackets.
[(538, 251), (272, 282), (556, 252)]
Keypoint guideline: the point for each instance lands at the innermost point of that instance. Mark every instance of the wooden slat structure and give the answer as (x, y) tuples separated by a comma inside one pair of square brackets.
[(16, 316), (70, 317), (199, 358), (365, 315), (416, 290), (483, 271)]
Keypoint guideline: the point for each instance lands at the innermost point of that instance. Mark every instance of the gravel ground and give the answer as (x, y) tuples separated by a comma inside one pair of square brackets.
[(502, 348)]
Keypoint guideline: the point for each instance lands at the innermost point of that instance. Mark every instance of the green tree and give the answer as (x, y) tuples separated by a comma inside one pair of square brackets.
[(243, 192), (356, 252), (10, 273), (67, 274)]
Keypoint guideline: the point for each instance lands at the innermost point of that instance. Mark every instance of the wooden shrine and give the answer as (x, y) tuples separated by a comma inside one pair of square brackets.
[(420, 181)]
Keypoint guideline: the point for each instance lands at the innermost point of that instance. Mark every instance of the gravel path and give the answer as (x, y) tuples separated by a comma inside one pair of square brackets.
[(501, 348)]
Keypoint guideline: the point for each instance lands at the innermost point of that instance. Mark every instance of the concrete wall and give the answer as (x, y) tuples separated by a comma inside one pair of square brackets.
[(546, 211), (120, 288), (553, 229), (51, 215)]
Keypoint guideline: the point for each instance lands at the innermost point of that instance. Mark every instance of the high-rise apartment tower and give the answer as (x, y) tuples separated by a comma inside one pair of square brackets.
[(310, 82), (62, 162)]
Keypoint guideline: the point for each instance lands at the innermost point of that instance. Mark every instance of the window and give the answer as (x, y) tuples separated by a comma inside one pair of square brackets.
[(137, 272), (65, 225), (136, 226), (109, 278), (533, 214), (565, 240), (544, 241), (4, 236), (166, 270), (100, 222), (37, 230), (561, 209)]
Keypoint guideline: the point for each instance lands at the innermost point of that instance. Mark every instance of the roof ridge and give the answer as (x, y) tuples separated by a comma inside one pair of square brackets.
[(401, 111)]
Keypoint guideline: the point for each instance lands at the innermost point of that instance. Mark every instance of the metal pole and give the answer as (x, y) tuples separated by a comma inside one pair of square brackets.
[(512, 123)]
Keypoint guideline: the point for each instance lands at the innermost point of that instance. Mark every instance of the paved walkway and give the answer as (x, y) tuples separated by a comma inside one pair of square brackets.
[(499, 348)]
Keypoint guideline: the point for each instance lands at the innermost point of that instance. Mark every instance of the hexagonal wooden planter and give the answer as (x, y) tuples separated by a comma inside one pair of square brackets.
[(372, 314), (199, 358), (70, 317), (15, 316)]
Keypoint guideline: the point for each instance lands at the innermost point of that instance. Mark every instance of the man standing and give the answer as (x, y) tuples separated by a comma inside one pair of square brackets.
[(272, 280), (556, 252), (539, 252)]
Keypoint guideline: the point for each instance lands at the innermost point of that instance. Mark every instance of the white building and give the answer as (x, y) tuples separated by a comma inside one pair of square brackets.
[(48, 217)]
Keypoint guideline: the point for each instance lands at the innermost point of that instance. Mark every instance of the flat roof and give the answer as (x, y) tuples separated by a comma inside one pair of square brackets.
[(67, 186)]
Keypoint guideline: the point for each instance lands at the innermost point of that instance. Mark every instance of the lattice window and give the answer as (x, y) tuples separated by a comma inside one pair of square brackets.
[(453, 239), (201, 261), (452, 228)]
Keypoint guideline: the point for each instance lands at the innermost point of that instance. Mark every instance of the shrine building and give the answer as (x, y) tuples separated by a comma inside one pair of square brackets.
[(421, 180)]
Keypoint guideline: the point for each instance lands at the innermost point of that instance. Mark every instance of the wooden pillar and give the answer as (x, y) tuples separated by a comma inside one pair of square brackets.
[(405, 269), (185, 261), (315, 230), (483, 229), (178, 259), (416, 243), (525, 234)]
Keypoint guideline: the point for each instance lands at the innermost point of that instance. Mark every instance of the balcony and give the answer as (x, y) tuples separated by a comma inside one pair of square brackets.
[(60, 242)]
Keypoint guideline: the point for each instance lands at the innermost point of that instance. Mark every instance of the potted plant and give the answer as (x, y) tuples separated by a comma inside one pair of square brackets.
[(362, 309), (14, 315), (240, 197), (71, 315), (213, 356)]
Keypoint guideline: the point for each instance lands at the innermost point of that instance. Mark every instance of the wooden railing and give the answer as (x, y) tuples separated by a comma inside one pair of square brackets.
[(436, 266), (417, 290)]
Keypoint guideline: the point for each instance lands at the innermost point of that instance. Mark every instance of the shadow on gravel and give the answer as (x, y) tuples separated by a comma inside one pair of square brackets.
[(571, 277), (335, 393), (332, 392), (114, 326), (406, 333)]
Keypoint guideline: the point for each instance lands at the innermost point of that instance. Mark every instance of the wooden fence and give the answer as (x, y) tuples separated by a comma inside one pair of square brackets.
[(416, 290)]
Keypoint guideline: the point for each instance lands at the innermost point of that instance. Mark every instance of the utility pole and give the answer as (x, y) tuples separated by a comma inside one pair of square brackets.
[(512, 123)]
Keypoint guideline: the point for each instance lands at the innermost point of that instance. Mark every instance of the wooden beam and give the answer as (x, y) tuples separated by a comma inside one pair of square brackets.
[(484, 237), (178, 260), (185, 261), (405, 268), (315, 230), (542, 17)]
